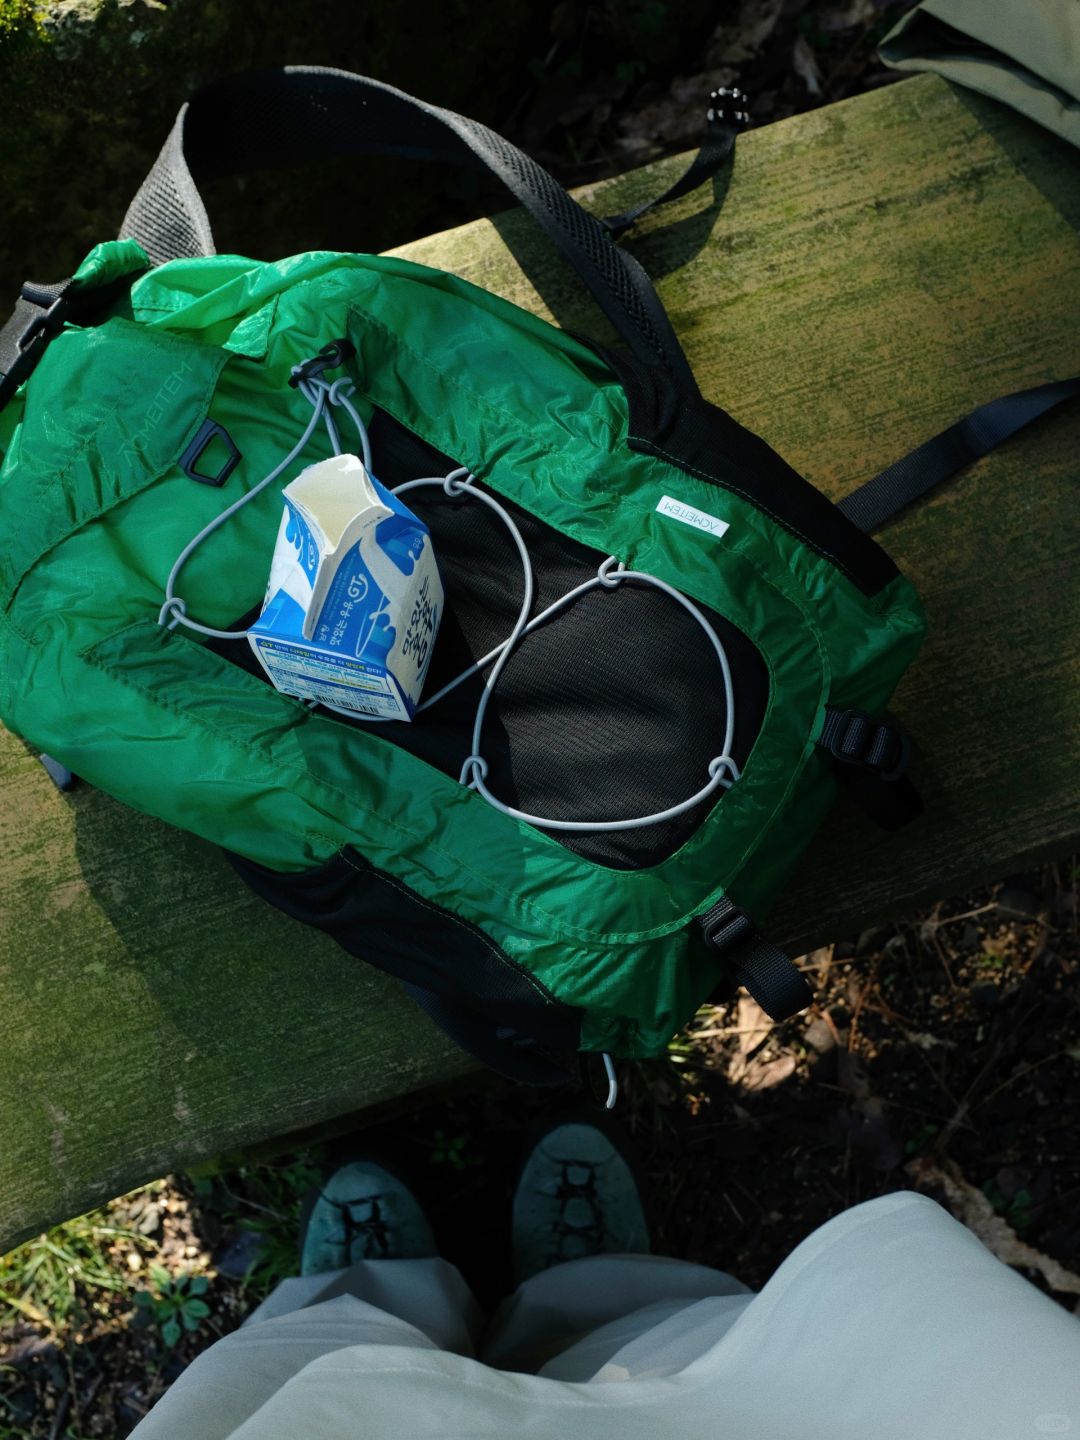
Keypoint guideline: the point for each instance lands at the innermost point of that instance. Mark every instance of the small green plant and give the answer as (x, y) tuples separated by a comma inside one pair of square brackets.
[(921, 1139), (451, 1150), (176, 1306), (266, 1202), (1016, 1209)]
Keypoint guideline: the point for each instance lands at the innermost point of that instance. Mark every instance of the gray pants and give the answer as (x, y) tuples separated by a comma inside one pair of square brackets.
[(891, 1321), (554, 1312)]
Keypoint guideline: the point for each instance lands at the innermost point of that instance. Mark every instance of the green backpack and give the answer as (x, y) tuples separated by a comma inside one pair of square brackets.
[(701, 644)]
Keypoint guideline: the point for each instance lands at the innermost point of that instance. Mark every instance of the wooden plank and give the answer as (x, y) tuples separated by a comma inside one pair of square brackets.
[(878, 268)]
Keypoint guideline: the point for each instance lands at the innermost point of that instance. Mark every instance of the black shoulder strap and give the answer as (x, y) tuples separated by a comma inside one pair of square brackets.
[(725, 119), (913, 476), (290, 116)]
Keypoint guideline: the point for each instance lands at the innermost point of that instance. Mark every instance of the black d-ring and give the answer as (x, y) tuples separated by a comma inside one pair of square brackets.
[(206, 432)]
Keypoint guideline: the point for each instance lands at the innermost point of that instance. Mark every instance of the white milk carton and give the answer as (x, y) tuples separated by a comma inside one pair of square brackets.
[(354, 598)]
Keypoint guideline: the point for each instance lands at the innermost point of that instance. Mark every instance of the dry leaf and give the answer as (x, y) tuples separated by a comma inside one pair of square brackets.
[(739, 41), (758, 1072), (806, 67)]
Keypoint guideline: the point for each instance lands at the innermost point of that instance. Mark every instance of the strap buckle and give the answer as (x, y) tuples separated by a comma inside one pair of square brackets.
[(30, 344), (725, 926), (43, 327), (853, 738)]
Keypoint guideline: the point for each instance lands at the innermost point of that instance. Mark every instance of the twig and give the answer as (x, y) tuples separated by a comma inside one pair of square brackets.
[(1018, 1076), (969, 914), (72, 1388), (729, 1030), (853, 1031), (828, 964), (243, 1200), (60, 1418)]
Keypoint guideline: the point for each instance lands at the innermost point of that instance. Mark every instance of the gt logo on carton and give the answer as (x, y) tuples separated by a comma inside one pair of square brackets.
[(690, 515)]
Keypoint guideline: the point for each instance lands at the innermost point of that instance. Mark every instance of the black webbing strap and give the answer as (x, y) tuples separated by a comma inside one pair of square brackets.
[(294, 115), (854, 738), (871, 759), (725, 119), (759, 967), (911, 477)]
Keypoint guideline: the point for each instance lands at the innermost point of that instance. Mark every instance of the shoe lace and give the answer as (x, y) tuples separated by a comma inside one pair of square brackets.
[(592, 1231), (369, 1230)]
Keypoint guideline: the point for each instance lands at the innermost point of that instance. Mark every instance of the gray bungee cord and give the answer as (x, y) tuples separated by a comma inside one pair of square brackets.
[(460, 482)]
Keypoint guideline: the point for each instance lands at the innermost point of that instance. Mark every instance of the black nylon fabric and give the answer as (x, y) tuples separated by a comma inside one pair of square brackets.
[(452, 967), (296, 114), (613, 709)]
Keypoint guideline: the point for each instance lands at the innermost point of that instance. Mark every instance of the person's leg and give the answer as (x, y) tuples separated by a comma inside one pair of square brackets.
[(370, 1276), (580, 1240)]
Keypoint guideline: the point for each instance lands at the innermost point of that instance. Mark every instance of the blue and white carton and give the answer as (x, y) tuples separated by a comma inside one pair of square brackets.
[(354, 599)]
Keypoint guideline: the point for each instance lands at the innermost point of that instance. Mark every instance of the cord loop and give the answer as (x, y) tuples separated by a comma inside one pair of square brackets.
[(611, 572), (458, 481), (475, 766)]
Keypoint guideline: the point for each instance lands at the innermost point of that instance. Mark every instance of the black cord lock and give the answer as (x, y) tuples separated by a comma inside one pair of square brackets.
[(328, 358)]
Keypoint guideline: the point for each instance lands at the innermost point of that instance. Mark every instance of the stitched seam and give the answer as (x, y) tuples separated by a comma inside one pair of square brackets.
[(751, 499), (466, 925)]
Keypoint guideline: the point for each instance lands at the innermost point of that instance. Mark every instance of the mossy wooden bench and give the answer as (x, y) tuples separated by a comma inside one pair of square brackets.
[(877, 269)]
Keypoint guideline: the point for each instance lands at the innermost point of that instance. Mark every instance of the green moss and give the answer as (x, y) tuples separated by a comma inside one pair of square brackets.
[(21, 29)]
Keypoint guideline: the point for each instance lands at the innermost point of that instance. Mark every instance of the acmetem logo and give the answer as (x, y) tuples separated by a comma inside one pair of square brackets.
[(690, 515), (156, 410)]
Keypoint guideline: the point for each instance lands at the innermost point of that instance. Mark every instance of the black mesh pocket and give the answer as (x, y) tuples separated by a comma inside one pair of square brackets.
[(614, 708)]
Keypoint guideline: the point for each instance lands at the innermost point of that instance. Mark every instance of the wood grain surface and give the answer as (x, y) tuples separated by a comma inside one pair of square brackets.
[(878, 268)]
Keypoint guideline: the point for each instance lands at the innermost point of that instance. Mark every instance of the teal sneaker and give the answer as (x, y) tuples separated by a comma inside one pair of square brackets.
[(362, 1212), (577, 1195)]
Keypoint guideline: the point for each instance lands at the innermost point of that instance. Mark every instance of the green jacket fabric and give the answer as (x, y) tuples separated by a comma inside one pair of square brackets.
[(1026, 55)]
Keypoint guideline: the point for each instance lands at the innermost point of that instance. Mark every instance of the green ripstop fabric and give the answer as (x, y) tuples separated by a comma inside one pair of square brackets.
[(94, 511), (1027, 56)]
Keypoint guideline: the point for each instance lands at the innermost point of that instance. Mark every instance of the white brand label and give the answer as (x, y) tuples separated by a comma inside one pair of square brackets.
[(700, 519)]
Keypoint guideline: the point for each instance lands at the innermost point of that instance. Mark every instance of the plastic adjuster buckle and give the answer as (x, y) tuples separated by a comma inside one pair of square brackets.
[(328, 358), (722, 932), (853, 738), (728, 104), (32, 342)]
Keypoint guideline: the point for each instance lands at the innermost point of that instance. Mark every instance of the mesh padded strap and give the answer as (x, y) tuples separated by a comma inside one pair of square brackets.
[(282, 117), (913, 476)]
